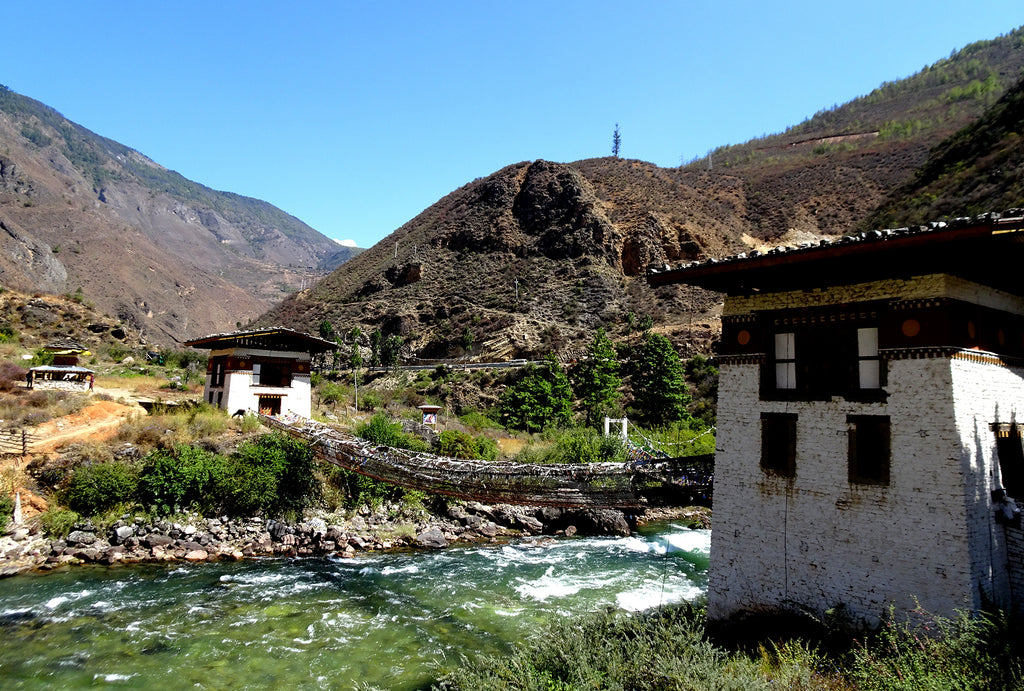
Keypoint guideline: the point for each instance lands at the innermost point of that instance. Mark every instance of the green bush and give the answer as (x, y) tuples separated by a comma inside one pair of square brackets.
[(478, 421), (181, 359), (456, 444), (580, 445), (187, 477), (117, 353), (40, 358), (661, 649), (967, 652), (380, 430), (6, 510), (332, 393), (97, 487), (360, 489), (274, 474), (57, 522), (356, 490), (370, 400)]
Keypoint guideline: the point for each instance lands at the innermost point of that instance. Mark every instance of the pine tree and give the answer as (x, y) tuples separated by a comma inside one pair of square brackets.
[(616, 141), (659, 387), (541, 397), (596, 379), (375, 343)]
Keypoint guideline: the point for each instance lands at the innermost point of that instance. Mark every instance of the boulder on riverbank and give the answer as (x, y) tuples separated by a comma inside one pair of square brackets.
[(137, 539)]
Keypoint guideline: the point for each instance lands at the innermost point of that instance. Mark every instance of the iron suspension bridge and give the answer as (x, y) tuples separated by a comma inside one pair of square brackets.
[(634, 485)]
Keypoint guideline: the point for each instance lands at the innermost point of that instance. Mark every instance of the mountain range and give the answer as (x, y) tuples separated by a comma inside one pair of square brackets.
[(529, 260), (536, 256), (83, 215)]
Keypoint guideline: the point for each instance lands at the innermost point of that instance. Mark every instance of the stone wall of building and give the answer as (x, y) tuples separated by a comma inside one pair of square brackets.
[(816, 540), (986, 392), (60, 385), (238, 392)]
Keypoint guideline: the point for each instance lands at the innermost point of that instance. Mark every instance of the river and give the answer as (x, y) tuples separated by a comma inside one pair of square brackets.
[(387, 620)]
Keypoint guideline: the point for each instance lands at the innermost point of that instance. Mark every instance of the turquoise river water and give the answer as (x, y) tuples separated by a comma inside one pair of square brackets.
[(386, 620)]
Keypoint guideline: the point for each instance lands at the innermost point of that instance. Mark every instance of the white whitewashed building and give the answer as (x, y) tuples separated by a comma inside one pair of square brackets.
[(262, 370), (870, 406)]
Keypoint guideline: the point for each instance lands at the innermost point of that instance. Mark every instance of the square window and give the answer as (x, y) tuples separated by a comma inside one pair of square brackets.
[(778, 443), (869, 452)]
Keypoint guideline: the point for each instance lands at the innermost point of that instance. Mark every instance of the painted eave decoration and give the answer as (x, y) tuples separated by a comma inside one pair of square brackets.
[(273, 338), (988, 249)]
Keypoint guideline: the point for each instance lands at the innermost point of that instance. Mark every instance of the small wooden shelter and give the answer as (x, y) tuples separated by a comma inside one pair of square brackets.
[(64, 373)]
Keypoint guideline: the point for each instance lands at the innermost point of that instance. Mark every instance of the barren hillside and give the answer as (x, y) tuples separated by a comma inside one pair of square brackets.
[(82, 213)]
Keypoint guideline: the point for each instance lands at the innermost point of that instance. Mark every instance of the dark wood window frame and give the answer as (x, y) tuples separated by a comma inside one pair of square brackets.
[(275, 373), (778, 444), (1010, 455), (869, 449), (823, 360), (218, 370)]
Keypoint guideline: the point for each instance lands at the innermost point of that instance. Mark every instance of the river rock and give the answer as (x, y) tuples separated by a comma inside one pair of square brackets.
[(488, 529), (278, 529), (603, 522), (123, 533), (157, 540), (81, 537), (550, 514), (197, 555), (530, 523), (432, 538)]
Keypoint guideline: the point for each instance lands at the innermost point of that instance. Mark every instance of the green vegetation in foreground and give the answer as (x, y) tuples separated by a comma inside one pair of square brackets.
[(669, 648), (272, 475)]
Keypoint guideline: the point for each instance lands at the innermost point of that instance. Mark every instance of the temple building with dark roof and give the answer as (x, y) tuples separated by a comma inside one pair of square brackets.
[(871, 406), (261, 370)]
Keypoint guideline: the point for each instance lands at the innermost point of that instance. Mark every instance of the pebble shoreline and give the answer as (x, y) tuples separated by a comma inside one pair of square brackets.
[(192, 538)]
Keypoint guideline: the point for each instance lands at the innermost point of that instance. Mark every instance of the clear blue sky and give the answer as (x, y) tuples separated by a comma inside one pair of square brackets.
[(356, 116)]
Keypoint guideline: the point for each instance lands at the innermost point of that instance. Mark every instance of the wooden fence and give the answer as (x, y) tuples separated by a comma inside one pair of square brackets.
[(16, 441)]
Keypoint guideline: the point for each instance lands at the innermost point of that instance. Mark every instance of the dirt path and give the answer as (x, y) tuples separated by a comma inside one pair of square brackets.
[(96, 422)]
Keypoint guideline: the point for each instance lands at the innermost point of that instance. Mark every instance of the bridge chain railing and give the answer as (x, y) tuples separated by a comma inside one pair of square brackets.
[(597, 485)]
